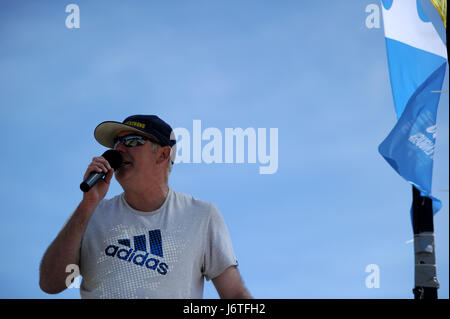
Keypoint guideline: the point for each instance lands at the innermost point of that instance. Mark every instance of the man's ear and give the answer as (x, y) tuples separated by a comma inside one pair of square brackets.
[(164, 155)]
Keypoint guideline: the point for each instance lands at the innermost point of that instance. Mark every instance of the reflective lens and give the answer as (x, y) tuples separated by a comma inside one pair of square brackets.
[(130, 140)]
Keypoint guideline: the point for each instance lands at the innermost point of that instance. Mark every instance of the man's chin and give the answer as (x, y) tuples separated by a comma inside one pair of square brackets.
[(123, 172)]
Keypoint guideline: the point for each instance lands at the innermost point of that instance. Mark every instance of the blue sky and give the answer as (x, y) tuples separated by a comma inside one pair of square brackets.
[(311, 69)]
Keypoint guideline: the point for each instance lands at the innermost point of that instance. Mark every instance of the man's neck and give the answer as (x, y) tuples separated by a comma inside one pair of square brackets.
[(147, 200)]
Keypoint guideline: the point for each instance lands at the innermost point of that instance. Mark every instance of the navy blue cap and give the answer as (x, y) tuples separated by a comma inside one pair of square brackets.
[(147, 125)]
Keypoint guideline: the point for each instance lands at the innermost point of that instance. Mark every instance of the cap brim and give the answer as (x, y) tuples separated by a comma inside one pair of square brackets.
[(105, 132)]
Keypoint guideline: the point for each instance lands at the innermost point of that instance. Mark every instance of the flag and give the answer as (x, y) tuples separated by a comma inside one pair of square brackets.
[(417, 59)]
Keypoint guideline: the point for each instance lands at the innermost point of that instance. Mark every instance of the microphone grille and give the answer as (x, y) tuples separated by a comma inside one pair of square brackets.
[(114, 158)]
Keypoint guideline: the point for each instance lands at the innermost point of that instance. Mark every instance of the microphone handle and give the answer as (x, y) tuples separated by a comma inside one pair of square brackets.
[(90, 181)]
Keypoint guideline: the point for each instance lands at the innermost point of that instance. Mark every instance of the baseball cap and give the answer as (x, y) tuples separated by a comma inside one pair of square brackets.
[(147, 125)]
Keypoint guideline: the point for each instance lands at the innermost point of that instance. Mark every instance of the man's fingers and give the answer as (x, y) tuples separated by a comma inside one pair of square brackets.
[(109, 176), (105, 162), (102, 163), (95, 168), (99, 165)]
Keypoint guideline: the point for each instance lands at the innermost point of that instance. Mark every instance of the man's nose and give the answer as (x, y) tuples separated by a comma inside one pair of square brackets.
[(120, 147)]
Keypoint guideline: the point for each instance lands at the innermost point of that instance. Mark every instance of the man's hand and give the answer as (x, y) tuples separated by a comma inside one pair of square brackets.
[(98, 192)]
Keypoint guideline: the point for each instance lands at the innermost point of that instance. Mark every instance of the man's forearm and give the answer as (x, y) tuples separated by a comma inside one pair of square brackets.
[(64, 250)]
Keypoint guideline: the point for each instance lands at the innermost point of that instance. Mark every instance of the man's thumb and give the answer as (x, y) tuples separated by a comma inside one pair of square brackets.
[(109, 175)]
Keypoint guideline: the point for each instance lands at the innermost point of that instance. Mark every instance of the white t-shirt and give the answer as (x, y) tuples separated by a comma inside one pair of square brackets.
[(166, 253)]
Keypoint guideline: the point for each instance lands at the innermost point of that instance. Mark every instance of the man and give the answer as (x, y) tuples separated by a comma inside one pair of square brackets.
[(150, 241)]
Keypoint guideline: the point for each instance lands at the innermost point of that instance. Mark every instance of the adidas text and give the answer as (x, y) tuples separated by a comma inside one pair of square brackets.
[(139, 259)]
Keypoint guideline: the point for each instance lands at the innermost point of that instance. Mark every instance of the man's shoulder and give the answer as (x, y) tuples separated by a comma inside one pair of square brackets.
[(189, 201)]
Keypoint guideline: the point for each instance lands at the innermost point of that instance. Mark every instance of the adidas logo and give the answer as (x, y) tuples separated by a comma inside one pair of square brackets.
[(140, 245)]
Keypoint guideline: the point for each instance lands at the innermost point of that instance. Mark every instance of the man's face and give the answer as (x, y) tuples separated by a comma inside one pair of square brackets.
[(139, 162)]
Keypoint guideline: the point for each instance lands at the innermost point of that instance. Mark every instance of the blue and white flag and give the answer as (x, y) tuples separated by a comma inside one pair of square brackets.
[(417, 59)]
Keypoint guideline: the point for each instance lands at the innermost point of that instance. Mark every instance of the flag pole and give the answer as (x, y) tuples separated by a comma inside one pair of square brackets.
[(425, 278)]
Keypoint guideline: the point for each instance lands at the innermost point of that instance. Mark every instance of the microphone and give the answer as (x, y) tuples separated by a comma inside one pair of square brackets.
[(114, 159)]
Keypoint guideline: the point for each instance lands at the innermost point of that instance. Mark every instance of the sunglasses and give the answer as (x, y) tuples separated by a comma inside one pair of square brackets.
[(133, 140)]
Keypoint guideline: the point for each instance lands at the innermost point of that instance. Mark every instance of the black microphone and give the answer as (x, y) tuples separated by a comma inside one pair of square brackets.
[(114, 159)]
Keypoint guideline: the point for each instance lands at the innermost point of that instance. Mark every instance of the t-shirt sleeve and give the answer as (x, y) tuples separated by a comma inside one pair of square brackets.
[(219, 253)]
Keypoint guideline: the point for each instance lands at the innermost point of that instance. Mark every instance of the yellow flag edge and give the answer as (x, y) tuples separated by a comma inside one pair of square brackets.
[(441, 7)]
